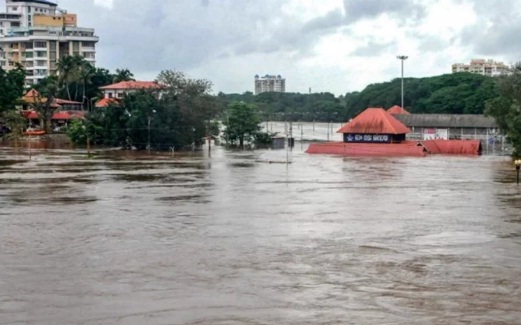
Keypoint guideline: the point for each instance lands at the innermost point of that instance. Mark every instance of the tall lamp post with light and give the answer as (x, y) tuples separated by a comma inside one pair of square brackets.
[(149, 120), (518, 166), (402, 58)]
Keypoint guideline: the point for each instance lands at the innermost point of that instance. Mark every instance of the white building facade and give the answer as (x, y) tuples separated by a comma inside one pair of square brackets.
[(269, 83), (36, 34), (489, 68)]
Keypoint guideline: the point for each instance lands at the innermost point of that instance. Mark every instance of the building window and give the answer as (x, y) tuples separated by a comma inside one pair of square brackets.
[(40, 44)]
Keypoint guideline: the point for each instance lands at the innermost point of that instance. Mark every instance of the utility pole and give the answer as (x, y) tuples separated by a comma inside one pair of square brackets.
[(148, 142), (402, 58)]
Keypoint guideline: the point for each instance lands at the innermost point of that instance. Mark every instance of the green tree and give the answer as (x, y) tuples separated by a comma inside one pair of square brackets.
[(242, 123), (66, 73), (100, 77), (179, 113), (43, 103), (192, 103), (506, 108), (123, 75), (11, 87), (75, 74)]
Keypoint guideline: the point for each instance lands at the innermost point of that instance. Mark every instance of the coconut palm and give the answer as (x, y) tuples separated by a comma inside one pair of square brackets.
[(66, 66), (123, 75)]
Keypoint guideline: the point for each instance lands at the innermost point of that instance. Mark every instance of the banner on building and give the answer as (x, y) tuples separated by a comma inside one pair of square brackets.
[(432, 134)]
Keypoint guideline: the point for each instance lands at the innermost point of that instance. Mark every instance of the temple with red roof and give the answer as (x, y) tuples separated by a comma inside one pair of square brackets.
[(376, 132)]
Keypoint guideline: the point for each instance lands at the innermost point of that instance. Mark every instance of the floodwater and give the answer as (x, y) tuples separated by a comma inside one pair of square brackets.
[(229, 238)]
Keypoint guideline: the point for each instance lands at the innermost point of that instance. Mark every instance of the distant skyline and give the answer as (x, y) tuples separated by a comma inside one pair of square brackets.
[(327, 45)]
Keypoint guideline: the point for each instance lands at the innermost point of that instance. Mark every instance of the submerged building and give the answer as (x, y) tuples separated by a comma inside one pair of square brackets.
[(376, 132), (36, 34)]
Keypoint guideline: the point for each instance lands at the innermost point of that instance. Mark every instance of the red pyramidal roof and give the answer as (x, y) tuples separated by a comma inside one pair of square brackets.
[(374, 121), (398, 110)]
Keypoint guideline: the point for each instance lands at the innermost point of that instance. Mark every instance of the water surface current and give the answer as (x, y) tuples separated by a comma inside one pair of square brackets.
[(244, 238)]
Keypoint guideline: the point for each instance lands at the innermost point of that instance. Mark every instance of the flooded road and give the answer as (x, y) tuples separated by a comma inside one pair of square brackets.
[(230, 239)]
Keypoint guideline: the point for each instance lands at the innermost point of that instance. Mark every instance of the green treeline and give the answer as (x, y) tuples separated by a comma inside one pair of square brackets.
[(459, 93), (183, 112)]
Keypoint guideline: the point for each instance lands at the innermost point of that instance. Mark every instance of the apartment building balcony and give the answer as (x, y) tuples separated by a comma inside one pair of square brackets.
[(39, 66), (10, 17), (52, 33)]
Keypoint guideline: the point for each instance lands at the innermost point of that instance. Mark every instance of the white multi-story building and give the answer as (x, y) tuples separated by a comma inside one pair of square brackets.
[(36, 34), (269, 83), (485, 67)]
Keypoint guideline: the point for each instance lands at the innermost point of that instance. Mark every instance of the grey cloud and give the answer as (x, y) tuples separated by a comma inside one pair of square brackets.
[(496, 31), (366, 9), (147, 36), (186, 33), (153, 35), (332, 19), (500, 39), (374, 48)]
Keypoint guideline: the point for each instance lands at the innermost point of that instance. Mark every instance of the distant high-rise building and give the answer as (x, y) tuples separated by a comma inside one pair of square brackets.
[(269, 83), (36, 34), (485, 67)]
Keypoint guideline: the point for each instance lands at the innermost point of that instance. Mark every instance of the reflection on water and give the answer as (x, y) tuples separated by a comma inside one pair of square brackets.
[(131, 238)]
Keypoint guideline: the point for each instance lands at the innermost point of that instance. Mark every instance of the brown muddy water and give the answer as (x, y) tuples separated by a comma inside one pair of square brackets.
[(126, 238)]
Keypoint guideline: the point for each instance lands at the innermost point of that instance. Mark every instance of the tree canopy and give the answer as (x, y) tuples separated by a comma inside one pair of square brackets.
[(242, 123), (506, 108), (177, 115), (458, 93), (11, 87)]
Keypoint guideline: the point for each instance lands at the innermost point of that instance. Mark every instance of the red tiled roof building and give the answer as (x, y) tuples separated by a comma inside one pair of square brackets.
[(398, 110), (374, 125), (111, 93)]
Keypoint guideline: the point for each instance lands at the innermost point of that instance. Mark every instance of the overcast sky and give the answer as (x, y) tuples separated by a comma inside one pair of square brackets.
[(328, 45)]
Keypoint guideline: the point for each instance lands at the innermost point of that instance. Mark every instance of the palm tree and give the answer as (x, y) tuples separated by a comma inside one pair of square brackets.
[(66, 66), (86, 72), (123, 75)]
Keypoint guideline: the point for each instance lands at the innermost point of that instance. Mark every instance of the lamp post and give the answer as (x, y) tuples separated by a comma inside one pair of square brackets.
[(518, 166), (402, 58), (149, 119)]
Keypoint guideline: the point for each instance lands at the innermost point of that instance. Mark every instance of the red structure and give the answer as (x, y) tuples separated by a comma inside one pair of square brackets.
[(404, 149), (453, 147), (106, 102), (375, 132), (398, 110)]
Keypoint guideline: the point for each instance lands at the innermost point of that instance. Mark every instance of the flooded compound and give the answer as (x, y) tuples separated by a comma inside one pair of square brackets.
[(230, 238)]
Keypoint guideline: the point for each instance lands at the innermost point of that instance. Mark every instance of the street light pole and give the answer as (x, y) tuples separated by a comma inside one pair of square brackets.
[(518, 166), (148, 143), (149, 119), (402, 58)]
